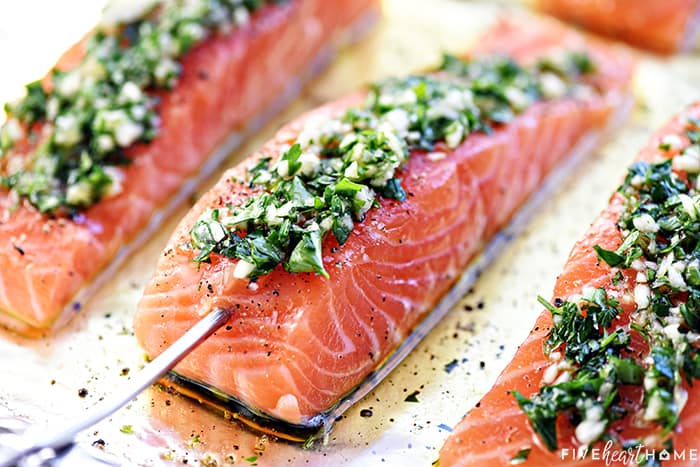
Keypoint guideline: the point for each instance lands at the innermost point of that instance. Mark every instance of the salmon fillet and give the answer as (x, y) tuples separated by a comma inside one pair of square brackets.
[(298, 342), (495, 430), (227, 82), (663, 26)]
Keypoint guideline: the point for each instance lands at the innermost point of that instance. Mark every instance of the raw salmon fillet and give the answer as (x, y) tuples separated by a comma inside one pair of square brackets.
[(495, 430), (299, 342), (227, 81), (663, 26)]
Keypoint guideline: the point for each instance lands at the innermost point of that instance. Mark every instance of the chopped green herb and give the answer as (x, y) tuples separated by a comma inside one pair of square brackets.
[(617, 278), (610, 257), (521, 456), (413, 397), (127, 429), (592, 357), (90, 114), (659, 232), (339, 168), (542, 416), (308, 443), (194, 441)]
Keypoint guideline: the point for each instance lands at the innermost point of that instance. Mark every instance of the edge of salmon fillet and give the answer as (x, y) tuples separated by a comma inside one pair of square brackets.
[(631, 26)]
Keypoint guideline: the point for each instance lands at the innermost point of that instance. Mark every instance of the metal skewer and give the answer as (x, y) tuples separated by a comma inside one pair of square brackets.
[(44, 444)]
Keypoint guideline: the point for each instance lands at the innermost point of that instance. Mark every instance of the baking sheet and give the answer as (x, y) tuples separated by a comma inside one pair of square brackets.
[(447, 373)]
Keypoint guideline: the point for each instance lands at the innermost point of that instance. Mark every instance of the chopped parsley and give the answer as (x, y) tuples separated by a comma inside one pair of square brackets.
[(90, 114), (413, 397), (521, 456), (659, 228), (586, 378), (339, 168)]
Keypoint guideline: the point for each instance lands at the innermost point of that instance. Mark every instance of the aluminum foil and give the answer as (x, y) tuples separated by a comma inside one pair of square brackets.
[(408, 416)]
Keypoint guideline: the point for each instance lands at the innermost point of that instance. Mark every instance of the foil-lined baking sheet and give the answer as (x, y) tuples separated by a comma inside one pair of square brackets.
[(408, 416)]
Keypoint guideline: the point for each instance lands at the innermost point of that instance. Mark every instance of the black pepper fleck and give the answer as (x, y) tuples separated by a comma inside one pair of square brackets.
[(451, 366)]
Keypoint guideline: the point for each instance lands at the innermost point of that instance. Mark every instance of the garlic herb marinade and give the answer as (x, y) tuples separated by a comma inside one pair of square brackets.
[(339, 167), (63, 144), (659, 228)]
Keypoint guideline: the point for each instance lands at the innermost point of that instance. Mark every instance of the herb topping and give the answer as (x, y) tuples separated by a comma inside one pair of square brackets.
[(660, 228), (339, 167), (91, 113)]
